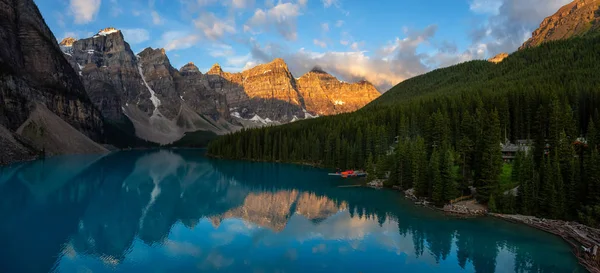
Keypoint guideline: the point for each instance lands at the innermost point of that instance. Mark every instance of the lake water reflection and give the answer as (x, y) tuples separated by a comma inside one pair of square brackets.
[(175, 210)]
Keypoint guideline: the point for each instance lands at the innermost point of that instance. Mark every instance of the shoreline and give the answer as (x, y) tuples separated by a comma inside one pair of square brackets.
[(584, 240)]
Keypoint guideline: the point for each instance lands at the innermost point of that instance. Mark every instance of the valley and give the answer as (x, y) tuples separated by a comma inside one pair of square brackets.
[(517, 136)]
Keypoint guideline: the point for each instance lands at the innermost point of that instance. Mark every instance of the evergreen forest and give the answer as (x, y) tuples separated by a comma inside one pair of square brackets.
[(441, 133)]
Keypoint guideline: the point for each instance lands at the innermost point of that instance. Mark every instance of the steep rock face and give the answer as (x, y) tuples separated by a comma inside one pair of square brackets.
[(576, 18), (268, 91), (159, 74), (326, 95), (195, 90), (110, 73), (498, 58), (144, 88), (34, 70)]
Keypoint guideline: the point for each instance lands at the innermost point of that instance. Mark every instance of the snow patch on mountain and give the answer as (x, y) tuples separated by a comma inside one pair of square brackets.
[(257, 118), (308, 115), (155, 101), (107, 31)]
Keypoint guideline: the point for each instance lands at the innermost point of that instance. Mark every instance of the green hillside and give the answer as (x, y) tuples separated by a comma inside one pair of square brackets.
[(450, 124)]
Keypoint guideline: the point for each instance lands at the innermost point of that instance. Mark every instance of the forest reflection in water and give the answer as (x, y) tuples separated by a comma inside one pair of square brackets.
[(165, 210)]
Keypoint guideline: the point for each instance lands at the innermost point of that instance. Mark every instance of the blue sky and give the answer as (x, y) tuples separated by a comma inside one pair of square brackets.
[(384, 42)]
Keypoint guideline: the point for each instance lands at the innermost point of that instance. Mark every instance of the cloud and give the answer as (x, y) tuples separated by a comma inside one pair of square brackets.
[(200, 5), (220, 50), (242, 4), (115, 8), (485, 6), (339, 23), (325, 27), (281, 17), (136, 35), (329, 3), (302, 2), (214, 28), (68, 34), (156, 19), (386, 67), (84, 11), (320, 43), (175, 40), (512, 24), (60, 19)]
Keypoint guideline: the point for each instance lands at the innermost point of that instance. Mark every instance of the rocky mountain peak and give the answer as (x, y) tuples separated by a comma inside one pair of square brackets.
[(155, 56), (215, 70), (574, 19), (365, 82), (278, 62), (69, 41), (498, 58), (189, 68), (107, 31), (317, 69)]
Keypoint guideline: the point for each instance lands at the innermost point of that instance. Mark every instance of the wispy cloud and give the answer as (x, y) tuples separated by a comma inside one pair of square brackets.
[(214, 28), (84, 11), (281, 17), (156, 19), (175, 40), (390, 65), (136, 35), (507, 28), (320, 43)]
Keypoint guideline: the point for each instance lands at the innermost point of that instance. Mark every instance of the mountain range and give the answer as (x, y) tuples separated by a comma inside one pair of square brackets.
[(67, 98), (164, 103)]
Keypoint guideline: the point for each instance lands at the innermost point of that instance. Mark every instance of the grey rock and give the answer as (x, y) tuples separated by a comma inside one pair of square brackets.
[(33, 69)]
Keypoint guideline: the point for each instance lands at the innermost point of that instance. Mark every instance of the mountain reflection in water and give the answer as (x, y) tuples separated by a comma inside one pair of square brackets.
[(167, 210)]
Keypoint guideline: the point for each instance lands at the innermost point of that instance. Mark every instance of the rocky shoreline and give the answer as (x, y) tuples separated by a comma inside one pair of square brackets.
[(584, 240)]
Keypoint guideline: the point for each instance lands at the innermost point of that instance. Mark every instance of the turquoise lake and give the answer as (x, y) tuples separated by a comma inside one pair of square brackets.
[(178, 211)]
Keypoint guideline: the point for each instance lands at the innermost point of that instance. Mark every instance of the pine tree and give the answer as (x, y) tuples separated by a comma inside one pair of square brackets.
[(491, 159), (371, 174), (449, 176), (419, 168), (435, 177)]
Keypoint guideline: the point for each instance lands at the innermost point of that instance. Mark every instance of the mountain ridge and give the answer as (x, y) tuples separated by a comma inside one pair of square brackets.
[(265, 94), (579, 17), (34, 71)]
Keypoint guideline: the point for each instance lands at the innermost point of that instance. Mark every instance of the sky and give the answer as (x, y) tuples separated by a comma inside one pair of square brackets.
[(381, 41)]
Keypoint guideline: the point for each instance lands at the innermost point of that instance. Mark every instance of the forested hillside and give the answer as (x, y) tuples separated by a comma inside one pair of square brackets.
[(449, 124)]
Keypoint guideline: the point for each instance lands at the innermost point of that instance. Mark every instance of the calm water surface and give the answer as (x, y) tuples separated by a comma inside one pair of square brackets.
[(177, 211)]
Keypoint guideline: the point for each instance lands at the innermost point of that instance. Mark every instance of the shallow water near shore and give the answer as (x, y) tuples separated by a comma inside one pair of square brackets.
[(178, 211)]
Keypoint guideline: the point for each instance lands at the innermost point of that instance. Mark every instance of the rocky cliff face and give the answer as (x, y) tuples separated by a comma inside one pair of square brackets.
[(162, 103), (576, 18), (196, 91), (271, 92), (265, 92), (110, 72), (498, 58), (34, 70), (326, 95)]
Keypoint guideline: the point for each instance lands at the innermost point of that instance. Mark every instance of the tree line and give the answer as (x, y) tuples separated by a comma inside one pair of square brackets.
[(440, 134)]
